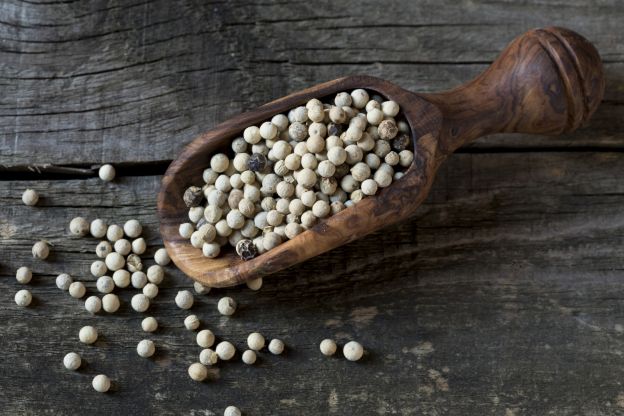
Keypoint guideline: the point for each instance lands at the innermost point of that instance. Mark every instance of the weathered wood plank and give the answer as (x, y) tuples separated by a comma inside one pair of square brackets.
[(502, 296), (116, 81)]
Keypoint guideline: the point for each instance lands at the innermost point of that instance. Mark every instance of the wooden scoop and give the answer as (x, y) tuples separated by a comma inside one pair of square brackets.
[(547, 81)]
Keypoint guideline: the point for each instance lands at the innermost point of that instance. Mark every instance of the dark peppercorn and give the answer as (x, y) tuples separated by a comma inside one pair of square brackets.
[(193, 196), (401, 142), (246, 249), (334, 129), (257, 162)]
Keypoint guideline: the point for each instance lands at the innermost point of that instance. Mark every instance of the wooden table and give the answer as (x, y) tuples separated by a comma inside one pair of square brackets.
[(503, 296)]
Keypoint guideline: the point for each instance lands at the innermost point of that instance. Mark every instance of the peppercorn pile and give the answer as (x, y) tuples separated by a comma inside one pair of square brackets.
[(292, 171)]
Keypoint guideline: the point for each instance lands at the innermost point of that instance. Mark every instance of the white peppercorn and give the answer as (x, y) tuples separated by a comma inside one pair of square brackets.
[(140, 302), (114, 261), (208, 357), (336, 207), (356, 196), (122, 246), (349, 184), (342, 99), (114, 233), (161, 257), (41, 250), (392, 158), (219, 163), (271, 240), (280, 121), (98, 228), (110, 303), (359, 98), (231, 411), (274, 218), (205, 338), (354, 154), (222, 228), (225, 350), (93, 304), (149, 324), (106, 173), (198, 371), (387, 130), (248, 177), (72, 361), (390, 108), (360, 171), (146, 348), (77, 290), (292, 230), (255, 341), (328, 347), (201, 289), (150, 290), (101, 383), (105, 284), (382, 178), (88, 335), (254, 284), (353, 351), (235, 219), (63, 281), (276, 346), (406, 157), (369, 187), (98, 268), (308, 219), (23, 297), (366, 143), (155, 274), (320, 209), (30, 197), (103, 249), (249, 357), (211, 250), (184, 299), (79, 227), (23, 275), (138, 280), (372, 104), (226, 306), (239, 145), (191, 322), (121, 278)]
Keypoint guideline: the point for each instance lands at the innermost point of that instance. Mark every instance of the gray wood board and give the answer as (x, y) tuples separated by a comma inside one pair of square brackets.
[(502, 296), (133, 81)]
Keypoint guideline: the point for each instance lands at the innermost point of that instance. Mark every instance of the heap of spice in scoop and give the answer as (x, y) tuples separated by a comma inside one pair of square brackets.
[(289, 173)]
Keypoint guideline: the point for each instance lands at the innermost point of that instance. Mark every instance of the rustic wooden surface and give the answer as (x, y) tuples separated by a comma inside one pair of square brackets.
[(503, 296)]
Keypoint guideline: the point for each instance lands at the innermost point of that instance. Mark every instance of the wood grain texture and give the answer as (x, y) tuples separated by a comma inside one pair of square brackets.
[(500, 296), (127, 81)]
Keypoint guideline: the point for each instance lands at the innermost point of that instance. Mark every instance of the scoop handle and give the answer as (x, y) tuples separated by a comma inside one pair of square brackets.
[(547, 81)]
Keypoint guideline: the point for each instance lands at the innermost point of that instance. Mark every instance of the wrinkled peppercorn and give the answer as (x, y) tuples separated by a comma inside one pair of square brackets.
[(193, 196), (334, 129), (401, 142), (257, 162), (246, 249)]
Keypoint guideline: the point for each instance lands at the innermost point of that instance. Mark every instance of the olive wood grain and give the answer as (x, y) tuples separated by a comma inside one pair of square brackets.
[(547, 81)]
